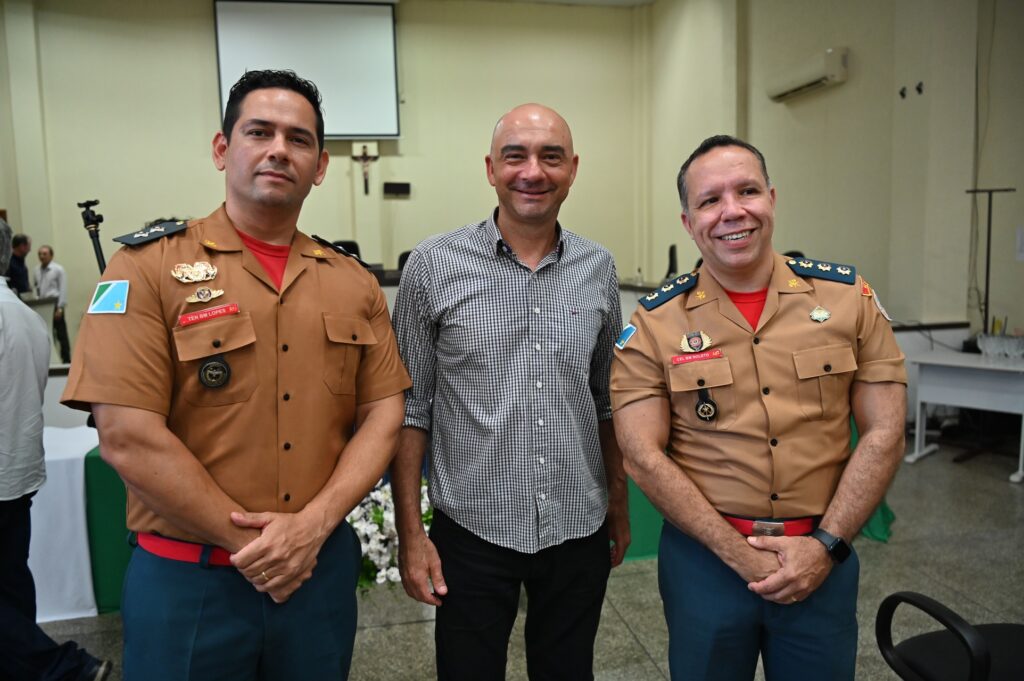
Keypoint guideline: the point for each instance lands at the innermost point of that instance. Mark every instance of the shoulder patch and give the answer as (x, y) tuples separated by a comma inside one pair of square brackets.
[(152, 233), (624, 337), (669, 290), (819, 269), (110, 297), (337, 249)]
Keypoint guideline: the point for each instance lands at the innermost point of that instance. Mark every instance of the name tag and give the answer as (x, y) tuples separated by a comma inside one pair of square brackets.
[(207, 314), (697, 356)]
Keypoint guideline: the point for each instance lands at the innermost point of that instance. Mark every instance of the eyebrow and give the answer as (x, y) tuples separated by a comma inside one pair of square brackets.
[(270, 124), (557, 148)]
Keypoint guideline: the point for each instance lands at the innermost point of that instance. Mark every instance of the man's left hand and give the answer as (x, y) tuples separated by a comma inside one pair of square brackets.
[(283, 556), (618, 529), (58, 313), (805, 565)]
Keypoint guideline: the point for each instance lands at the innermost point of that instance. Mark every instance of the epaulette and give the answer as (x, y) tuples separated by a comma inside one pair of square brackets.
[(669, 290), (338, 249), (152, 233), (819, 269)]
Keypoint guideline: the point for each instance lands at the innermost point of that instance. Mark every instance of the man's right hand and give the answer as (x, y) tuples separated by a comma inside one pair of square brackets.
[(420, 567), (753, 565)]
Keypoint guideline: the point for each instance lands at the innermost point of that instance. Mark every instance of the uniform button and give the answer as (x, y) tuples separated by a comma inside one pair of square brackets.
[(828, 367), (773, 442), (775, 497), (287, 497), (355, 337), (700, 382), (284, 348), (287, 397), (765, 390), (287, 446), (756, 340), (216, 342)]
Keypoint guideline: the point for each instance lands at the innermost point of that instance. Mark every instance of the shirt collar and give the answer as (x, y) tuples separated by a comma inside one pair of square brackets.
[(498, 246), (218, 234)]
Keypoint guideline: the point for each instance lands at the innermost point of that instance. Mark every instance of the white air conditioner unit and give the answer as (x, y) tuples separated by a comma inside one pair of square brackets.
[(824, 70)]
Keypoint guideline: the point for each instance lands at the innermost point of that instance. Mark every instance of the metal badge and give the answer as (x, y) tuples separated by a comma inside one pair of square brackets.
[(820, 314), (706, 408), (793, 283), (695, 341), (194, 273), (204, 294), (215, 372), (769, 528)]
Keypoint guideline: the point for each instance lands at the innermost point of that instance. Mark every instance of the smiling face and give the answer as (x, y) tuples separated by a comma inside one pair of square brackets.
[(531, 165), (272, 160), (731, 215), (45, 255)]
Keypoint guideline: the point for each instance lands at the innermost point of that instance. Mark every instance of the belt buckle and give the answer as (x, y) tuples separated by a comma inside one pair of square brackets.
[(769, 528)]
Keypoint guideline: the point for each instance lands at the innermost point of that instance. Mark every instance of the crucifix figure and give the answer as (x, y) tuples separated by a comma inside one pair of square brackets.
[(365, 159)]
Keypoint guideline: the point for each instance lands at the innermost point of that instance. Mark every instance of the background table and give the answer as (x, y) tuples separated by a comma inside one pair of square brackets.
[(961, 379)]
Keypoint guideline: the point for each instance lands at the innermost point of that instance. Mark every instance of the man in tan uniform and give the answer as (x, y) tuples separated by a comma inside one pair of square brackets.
[(746, 373), (246, 385)]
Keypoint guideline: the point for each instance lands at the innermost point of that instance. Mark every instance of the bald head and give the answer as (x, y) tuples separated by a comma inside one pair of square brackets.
[(532, 117)]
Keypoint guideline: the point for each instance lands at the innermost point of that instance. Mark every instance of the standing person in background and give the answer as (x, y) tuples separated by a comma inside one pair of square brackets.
[(17, 271), (52, 281), (507, 327), (26, 652)]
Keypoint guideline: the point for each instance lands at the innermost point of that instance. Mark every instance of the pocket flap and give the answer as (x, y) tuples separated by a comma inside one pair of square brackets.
[(214, 337), (829, 359), (351, 330), (707, 373)]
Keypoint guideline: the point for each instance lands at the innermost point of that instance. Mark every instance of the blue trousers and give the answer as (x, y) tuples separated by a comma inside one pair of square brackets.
[(196, 622), (717, 627), (26, 652)]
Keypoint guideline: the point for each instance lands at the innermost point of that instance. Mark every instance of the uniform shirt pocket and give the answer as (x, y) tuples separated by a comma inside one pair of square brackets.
[(347, 337), (715, 376), (217, 361), (824, 376)]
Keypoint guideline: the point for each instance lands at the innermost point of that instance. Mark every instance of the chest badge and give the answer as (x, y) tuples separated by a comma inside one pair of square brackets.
[(820, 314), (204, 294), (196, 272), (215, 372), (695, 341), (706, 408)]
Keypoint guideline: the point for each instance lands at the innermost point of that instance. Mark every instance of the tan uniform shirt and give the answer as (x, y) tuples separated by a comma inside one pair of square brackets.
[(300, 362), (781, 438)]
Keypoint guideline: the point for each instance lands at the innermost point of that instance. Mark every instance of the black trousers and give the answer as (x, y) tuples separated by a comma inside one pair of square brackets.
[(565, 588), (26, 652), (60, 337)]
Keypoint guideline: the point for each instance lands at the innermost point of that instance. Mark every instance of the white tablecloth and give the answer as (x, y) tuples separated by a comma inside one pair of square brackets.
[(59, 552)]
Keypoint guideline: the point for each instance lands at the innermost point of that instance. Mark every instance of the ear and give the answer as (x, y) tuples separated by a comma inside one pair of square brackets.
[(490, 170), (686, 223), (575, 167), (219, 150), (321, 168), (771, 193)]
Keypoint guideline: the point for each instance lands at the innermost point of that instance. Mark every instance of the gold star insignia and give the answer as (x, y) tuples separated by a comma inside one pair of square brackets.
[(701, 295), (317, 251), (793, 283), (212, 244), (117, 305)]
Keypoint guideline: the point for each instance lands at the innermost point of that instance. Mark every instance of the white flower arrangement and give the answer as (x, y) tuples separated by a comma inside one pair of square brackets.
[(373, 519)]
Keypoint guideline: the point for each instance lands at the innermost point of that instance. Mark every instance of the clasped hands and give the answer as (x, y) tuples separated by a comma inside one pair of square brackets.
[(785, 570), (283, 556)]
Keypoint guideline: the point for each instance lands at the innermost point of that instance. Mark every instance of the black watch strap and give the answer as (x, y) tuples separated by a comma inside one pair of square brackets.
[(837, 547)]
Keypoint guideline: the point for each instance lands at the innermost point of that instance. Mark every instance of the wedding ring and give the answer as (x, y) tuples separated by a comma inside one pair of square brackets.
[(267, 579)]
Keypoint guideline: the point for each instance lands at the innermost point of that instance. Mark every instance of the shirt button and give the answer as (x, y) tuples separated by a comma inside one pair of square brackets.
[(765, 390), (540, 422), (355, 337), (216, 342), (756, 340), (775, 497), (543, 496), (284, 348), (828, 367), (536, 310), (287, 446), (539, 384), (287, 397), (773, 442), (287, 497), (700, 382), (541, 459), (536, 346)]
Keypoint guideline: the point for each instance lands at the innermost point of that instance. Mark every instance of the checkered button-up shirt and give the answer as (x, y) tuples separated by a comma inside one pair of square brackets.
[(510, 371)]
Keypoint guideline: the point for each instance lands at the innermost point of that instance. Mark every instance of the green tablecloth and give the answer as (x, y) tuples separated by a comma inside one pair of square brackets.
[(105, 516)]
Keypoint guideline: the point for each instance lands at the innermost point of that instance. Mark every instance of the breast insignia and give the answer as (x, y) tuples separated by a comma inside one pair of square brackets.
[(819, 269)]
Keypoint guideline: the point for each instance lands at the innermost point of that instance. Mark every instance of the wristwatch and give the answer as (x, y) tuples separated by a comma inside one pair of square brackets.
[(838, 549)]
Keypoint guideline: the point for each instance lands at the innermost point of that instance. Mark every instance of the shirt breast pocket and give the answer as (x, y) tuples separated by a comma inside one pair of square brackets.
[(576, 335), (713, 375), (347, 337), (217, 361), (824, 376)]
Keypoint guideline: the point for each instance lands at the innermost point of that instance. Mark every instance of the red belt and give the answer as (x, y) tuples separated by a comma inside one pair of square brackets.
[(185, 551), (792, 527)]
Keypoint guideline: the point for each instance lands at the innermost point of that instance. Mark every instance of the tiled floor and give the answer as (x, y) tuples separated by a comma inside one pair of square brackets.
[(958, 537)]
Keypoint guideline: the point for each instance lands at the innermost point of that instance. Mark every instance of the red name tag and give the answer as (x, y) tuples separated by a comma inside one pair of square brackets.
[(697, 356), (207, 314)]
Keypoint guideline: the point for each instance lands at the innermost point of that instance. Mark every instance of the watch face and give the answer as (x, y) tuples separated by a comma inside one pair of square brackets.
[(840, 550)]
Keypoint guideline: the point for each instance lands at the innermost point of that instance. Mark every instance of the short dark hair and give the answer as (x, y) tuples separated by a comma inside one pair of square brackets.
[(47, 247), (20, 240), (5, 246), (263, 80), (706, 146)]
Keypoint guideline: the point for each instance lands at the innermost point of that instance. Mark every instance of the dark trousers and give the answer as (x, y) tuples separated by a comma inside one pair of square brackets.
[(207, 623), (717, 627), (26, 652), (60, 337), (565, 588)]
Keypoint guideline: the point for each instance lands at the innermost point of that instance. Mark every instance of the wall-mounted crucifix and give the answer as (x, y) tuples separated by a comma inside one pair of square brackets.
[(365, 159)]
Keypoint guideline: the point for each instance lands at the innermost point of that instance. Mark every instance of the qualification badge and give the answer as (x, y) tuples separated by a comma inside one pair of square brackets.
[(214, 372), (820, 314), (204, 294), (196, 272), (695, 341), (706, 408)]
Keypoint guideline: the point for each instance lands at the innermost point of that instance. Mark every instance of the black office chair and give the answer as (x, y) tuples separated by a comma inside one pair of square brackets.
[(983, 652), (402, 257), (350, 246)]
